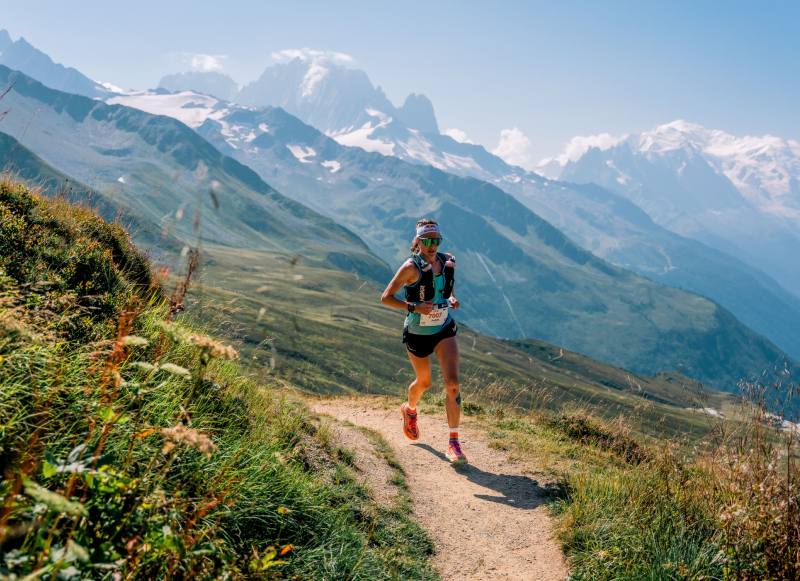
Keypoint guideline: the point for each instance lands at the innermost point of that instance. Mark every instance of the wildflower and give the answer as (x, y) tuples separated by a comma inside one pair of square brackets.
[(174, 369), (210, 348), (180, 434), (173, 331)]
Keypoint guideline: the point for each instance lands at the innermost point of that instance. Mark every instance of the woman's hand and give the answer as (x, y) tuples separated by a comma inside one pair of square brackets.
[(454, 304), (424, 308)]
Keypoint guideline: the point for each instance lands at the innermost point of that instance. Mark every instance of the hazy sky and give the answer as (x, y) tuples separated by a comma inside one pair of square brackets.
[(551, 70)]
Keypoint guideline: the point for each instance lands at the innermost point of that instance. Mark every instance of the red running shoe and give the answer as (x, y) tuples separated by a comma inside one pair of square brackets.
[(454, 453), (409, 423)]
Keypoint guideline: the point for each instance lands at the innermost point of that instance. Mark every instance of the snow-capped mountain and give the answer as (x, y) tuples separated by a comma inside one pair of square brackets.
[(740, 195), (23, 57), (313, 88), (764, 170), (339, 101)]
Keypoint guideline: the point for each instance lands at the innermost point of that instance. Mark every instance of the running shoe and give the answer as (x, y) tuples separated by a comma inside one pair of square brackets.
[(409, 423), (454, 453)]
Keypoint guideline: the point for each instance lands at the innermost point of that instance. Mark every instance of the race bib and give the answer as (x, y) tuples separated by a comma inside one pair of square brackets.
[(436, 318)]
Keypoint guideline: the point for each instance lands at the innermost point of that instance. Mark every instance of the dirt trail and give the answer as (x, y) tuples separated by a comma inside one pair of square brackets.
[(487, 520)]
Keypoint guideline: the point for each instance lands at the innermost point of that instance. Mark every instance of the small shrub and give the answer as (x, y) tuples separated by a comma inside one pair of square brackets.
[(471, 409), (585, 430), (345, 455)]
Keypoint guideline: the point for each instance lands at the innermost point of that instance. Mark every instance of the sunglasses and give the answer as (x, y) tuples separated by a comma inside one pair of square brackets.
[(431, 241)]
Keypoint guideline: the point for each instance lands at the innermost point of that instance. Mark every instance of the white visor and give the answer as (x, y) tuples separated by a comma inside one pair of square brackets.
[(428, 229)]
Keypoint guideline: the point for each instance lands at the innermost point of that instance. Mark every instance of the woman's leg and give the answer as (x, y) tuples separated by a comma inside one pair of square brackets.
[(422, 369), (447, 354)]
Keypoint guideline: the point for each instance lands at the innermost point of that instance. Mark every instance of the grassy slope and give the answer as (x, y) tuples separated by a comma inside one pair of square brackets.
[(28, 168), (249, 469), (713, 509)]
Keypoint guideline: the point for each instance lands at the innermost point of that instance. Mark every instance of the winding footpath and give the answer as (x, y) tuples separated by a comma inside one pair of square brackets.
[(487, 520)]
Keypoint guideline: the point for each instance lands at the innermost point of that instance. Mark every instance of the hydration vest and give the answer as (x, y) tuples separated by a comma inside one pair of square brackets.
[(422, 290)]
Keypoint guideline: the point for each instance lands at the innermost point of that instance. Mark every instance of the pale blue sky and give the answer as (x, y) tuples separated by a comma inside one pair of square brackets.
[(554, 70)]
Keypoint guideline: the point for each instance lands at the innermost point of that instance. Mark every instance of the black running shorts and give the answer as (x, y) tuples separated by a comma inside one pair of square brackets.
[(423, 345)]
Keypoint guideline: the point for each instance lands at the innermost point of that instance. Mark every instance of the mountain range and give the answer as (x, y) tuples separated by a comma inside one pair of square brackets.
[(608, 224), (163, 172), (578, 300), (739, 195), (343, 104)]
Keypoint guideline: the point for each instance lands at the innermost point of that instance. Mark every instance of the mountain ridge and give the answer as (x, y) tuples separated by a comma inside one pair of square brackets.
[(384, 131), (22, 56)]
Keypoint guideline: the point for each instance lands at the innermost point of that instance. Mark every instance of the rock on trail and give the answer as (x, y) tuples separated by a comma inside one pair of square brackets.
[(487, 520)]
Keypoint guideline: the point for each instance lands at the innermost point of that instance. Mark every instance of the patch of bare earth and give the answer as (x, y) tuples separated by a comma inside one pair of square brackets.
[(487, 519), (370, 467)]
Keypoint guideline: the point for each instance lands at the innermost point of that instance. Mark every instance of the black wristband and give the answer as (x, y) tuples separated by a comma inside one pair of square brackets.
[(410, 307)]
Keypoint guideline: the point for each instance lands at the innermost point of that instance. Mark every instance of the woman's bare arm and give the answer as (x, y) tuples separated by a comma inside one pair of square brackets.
[(406, 274)]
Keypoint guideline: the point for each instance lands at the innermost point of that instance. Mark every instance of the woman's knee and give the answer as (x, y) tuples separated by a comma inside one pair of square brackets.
[(451, 384), (423, 384)]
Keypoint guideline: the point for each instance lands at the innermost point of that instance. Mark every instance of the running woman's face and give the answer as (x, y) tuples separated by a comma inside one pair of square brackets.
[(428, 252)]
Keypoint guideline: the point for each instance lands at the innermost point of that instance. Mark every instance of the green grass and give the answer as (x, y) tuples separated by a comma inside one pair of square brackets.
[(723, 509), (143, 452), (405, 533), (70, 259)]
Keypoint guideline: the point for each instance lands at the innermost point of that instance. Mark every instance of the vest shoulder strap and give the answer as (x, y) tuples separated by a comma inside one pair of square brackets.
[(420, 262)]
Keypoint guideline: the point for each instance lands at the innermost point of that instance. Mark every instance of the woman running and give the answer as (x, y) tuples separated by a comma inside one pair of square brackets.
[(427, 277)]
